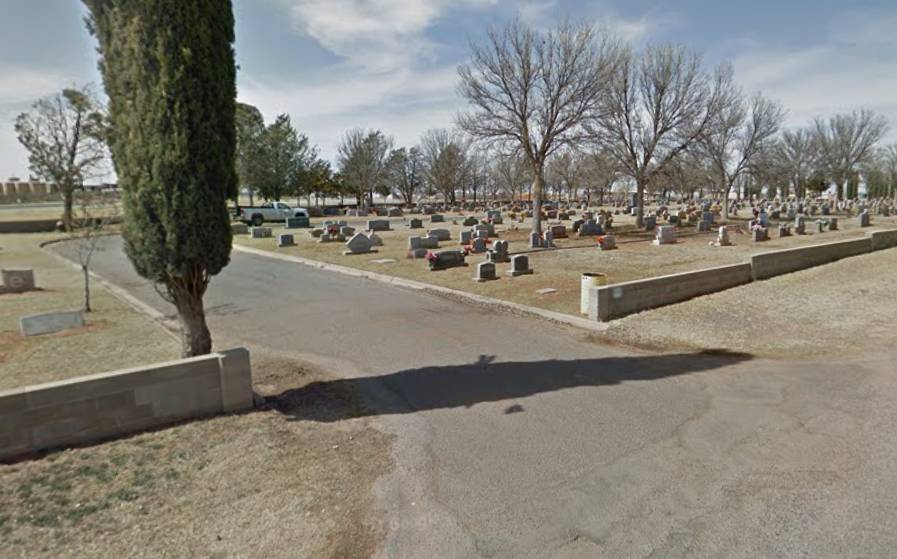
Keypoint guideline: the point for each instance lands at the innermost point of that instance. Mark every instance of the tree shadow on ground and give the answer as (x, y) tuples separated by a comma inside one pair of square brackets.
[(453, 386)]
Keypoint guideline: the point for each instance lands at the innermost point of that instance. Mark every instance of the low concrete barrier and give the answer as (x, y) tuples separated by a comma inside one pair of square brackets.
[(770, 264), (883, 239), (29, 226), (97, 407), (621, 299)]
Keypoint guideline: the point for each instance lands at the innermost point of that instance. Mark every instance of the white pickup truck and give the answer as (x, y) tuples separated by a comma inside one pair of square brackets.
[(270, 211)]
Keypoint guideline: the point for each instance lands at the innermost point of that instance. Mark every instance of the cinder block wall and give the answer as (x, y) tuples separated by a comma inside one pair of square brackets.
[(770, 264), (105, 405), (883, 239), (620, 299)]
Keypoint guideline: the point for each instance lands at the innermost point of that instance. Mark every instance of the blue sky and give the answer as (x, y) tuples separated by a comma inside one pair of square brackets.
[(391, 64)]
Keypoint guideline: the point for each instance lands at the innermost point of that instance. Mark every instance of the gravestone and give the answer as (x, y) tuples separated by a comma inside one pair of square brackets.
[(415, 223), (17, 280), (285, 240), (558, 231), (296, 223), (394, 212), (666, 235), (722, 237), (650, 223), (260, 232), (833, 224), (470, 221), (760, 234), (48, 323), (784, 230), (548, 240), (707, 216), (519, 266), (478, 245), (485, 272), (464, 237), (441, 234), (607, 242), (703, 227), (535, 240), (590, 228), (239, 228), (864, 219), (800, 225), (346, 231), (378, 225), (358, 244), (499, 252), (445, 259), (437, 218), (820, 226), (577, 224)]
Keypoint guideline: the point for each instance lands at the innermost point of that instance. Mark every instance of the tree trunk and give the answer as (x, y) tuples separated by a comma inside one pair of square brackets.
[(251, 198), (726, 191), (195, 336), (537, 199), (86, 289), (67, 218), (640, 203)]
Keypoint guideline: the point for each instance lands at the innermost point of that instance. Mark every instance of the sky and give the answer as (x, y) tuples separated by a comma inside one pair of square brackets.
[(333, 65)]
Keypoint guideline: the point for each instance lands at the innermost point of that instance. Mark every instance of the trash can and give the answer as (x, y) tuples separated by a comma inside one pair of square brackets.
[(589, 280)]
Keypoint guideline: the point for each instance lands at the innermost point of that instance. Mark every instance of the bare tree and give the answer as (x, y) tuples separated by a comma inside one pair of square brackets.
[(96, 212), (532, 91), (845, 141), (64, 135), (510, 175), (362, 159), (445, 161), (795, 156), (737, 136), (660, 103), (567, 170), (406, 169)]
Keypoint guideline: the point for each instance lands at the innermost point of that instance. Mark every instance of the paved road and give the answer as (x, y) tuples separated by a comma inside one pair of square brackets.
[(522, 438)]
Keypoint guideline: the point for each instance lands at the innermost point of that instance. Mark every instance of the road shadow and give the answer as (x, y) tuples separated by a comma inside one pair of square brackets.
[(454, 386)]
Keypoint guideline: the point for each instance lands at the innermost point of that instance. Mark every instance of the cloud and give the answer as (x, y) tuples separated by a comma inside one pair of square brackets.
[(854, 66)]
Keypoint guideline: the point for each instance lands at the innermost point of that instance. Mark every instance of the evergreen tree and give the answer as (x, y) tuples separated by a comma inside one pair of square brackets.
[(169, 72)]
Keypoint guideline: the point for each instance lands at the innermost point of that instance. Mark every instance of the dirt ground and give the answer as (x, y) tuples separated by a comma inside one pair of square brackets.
[(270, 483), (560, 269), (112, 325)]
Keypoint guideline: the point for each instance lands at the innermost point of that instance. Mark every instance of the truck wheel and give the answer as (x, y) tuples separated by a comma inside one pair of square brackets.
[(258, 220)]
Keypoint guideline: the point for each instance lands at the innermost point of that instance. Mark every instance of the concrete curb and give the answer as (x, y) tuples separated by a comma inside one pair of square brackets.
[(553, 316), (169, 326)]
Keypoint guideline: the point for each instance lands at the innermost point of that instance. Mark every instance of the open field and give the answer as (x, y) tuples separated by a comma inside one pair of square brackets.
[(116, 335), (560, 269), (251, 485)]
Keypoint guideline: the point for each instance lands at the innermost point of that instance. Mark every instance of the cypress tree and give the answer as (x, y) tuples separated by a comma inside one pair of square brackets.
[(168, 70)]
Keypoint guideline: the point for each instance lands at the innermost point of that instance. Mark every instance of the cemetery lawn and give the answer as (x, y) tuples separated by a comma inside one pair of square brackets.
[(842, 309), (107, 342), (261, 484), (561, 269)]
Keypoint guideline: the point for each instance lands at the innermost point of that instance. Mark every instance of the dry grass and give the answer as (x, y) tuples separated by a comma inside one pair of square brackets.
[(40, 213), (256, 485), (560, 269), (842, 309), (111, 327)]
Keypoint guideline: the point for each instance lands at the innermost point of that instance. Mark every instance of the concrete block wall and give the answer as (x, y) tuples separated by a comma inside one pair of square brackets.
[(621, 299), (771, 264), (105, 405), (883, 239)]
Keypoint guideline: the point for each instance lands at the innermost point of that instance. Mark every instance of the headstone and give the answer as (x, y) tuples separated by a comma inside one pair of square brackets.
[(418, 253), (558, 231), (499, 252), (784, 230), (519, 266), (260, 232), (485, 272), (296, 223), (445, 259), (478, 245), (820, 226), (441, 234), (548, 240), (437, 218), (666, 235), (378, 225), (590, 228), (394, 212), (650, 223), (760, 234), (535, 240), (833, 224), (285, 240), (800, 225), (577, 224), (464, 237), (607, 242), (358, 244), (50, 322), (703, 227), (722, 238), (415, 223), (239, 228), (17, 280), (707, 216), (470, 221), (864, 219), (346, 231)]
